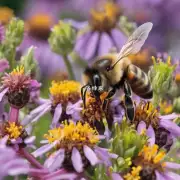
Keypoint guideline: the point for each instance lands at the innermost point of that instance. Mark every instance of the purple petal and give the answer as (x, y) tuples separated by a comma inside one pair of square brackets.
[(3, 141), (151, 134), (4, 64), (44, 149), (172, 175), (77, 160), (57, 115), (170, 126), (77, 25), (105, 44), (2, 93), (69, 176), (159, 176), (103, 156), (30, 140), (90, 155), (107, 132), (172, 165), (40, 108), (91, 46), (170, 116), (118, 37), (141, 127), (35, 84), (18, 171), (55, 160), (81, 43), (116, 176)]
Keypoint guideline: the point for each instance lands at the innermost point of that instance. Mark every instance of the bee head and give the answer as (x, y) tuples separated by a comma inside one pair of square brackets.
[(94, 82)]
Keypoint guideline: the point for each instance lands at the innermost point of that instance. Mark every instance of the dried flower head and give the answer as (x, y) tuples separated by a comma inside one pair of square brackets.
[(17, 83)]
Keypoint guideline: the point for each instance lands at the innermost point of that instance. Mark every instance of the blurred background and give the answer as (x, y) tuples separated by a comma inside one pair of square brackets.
[(99, 18)]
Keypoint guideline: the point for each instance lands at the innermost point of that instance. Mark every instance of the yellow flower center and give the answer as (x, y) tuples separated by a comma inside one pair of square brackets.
[(18, 71), (5, 15), (146, 112), (151, 154), (166, 108), (64, 91), (134, 175), (106, 18), (72, 134), (39, 25), (13, 130)]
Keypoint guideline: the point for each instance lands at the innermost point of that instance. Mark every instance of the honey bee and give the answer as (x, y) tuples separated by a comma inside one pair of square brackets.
[(111, 72)]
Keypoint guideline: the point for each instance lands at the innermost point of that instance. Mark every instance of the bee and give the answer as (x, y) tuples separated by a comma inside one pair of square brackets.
[(111, 72)]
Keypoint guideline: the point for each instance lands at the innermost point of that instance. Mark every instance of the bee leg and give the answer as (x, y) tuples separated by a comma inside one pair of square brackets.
[(110, 94), (129, 105), (83, 94)]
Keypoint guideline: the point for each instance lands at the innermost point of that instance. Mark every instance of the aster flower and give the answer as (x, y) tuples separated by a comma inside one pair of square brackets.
[(162, 126), (40, 18), (74, 145), (61, 93), (149, 164), (102, 34)]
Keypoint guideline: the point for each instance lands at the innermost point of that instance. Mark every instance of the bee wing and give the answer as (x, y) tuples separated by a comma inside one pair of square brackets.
[(135, 41)]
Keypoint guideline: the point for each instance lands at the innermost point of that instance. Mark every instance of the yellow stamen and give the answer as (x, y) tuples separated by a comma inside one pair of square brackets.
[(143, 132), (134, 175), (104, 20), (13, 130), (73, 134), (166, 108), (40, 21), (63, 90), (19, 70), (5, 14), (151, 154), (169, 60)]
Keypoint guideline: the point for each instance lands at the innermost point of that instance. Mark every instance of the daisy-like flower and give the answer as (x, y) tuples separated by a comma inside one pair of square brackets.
[(40, 18), (16, 86), (61, 94), (149, 164), (148, 120), (74, 145), (102, 33)]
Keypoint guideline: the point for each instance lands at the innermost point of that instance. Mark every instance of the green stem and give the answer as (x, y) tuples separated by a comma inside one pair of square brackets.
[(69, 68)]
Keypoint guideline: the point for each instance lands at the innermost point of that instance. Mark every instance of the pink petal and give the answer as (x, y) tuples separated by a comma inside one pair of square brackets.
[(170, 116), (90, 155), (116, 176), (77, 160), (30, 140), (172, 175), (4, 64)]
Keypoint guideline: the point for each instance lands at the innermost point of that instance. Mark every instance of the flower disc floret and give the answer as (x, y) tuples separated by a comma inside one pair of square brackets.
[(65, 91), (73, 135)]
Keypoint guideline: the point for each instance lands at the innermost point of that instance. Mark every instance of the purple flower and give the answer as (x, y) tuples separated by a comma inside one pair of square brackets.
[(10, 163), (101, 35), (2, 33), (82, 152)]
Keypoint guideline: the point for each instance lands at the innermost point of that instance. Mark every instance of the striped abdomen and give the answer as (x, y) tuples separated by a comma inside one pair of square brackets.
[(139, 82)]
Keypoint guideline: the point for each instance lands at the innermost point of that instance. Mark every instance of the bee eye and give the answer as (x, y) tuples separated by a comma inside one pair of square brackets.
[(108, 68)]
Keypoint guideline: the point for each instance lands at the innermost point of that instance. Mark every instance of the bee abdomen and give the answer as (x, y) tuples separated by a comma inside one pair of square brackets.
[(139, 82)]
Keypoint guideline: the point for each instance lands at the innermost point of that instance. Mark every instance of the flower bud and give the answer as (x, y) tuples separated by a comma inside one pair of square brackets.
[(62, 38)]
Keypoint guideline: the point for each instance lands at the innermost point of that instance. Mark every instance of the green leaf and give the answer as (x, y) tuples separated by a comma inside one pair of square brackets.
[(130, 152)]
